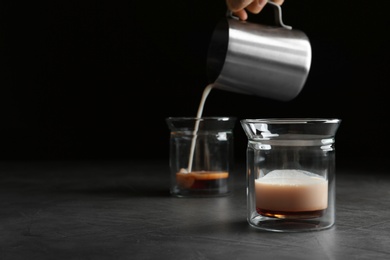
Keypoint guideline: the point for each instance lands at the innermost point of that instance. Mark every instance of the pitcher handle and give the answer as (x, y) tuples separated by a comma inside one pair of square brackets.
[(278, 15)]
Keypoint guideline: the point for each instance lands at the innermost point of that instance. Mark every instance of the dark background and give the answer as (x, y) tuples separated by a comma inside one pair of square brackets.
[(94, 80)]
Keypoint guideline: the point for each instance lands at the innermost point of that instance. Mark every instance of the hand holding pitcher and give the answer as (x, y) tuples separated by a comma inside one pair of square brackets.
[(239, 7)]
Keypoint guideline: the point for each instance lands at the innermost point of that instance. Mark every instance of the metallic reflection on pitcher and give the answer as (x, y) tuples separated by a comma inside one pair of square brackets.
[(291, 173)]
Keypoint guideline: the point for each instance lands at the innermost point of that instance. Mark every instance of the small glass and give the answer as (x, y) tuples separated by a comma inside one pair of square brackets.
[(201, 155), (291, 173)]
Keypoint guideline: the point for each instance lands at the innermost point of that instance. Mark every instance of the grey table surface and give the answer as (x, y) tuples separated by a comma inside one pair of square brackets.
[(123, 210)]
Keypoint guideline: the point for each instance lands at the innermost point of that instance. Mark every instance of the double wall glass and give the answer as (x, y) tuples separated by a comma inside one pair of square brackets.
[(291, 173)]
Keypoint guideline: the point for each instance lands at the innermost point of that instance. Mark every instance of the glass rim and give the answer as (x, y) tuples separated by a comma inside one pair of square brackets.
[(293, 120), (206, 118)]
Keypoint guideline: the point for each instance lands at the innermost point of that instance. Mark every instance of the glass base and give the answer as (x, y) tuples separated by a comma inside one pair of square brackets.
[(199, 193), (289, 225)]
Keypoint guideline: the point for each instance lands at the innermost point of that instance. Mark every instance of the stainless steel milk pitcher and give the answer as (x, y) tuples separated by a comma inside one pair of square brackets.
[(271, 61)]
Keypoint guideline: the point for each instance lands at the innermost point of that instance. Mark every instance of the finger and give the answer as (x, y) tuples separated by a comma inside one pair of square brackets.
[(241, 14), (235, 5), (279, 2), (256, 6)]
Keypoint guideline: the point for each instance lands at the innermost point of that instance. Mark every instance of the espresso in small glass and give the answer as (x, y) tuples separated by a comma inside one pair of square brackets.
[(202, 181)]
